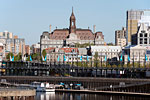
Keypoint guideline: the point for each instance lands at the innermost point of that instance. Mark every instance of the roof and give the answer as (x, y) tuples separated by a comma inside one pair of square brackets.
[(135, 47), (105, 47)]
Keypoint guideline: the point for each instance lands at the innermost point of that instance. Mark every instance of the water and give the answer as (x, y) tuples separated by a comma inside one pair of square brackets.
[(79, 96)]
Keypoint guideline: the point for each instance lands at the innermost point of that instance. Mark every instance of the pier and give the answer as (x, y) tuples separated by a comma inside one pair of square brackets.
[(95, 84), (17, 94)]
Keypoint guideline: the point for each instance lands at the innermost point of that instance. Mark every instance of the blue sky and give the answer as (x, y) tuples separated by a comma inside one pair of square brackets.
[(29, 18)]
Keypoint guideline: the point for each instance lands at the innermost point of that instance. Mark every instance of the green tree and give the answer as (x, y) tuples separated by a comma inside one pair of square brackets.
[(8, 55), (36, 56), (110, 44), (96, 61), (44, 53), (18, 57)]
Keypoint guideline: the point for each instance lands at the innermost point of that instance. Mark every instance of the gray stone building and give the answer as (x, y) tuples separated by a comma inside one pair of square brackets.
[(70, 36)]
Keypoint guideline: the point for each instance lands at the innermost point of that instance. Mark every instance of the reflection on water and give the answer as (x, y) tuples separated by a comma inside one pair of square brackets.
[(77, 96)]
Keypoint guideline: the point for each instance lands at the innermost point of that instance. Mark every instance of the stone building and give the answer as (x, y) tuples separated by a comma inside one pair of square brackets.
[(70, 36), (120, 37), (136, 54), (143, 35), (110, 52)]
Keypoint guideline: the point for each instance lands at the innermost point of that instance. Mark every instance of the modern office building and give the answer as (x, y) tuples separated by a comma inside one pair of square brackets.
[(120, 37), (70, 36), (134, 19)]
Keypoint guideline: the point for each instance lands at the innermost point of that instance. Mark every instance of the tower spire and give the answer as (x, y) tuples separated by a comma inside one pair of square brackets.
[(72, 26)]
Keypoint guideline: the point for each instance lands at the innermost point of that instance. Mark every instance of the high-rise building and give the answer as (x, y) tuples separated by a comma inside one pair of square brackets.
[(12, 43), (134, 18), (6, 34), (120, 37)]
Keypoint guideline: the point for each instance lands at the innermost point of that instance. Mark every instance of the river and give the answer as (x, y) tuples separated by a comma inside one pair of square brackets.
[(79, 96)]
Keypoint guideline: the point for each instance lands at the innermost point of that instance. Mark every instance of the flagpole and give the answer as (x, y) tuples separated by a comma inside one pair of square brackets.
[(91, 60), (106, 59), (86, 61), (133, 58), (139, 59), (101, 58)]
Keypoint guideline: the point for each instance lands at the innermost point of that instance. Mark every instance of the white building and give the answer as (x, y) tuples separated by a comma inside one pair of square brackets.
[(111, 52), (136, 53), (143, 35)]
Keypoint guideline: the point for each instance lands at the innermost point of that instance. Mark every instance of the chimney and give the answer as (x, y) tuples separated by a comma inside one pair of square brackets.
[(94, 28), (50, 26)]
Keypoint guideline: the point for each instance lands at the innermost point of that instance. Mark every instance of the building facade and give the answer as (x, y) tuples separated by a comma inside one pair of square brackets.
[(6, 34), (27, 49), (70, 36), (134, 19), (2, 52), (12, 43), (120, 37), (35, 48), (136, 54), (107, 52), (143, 35)]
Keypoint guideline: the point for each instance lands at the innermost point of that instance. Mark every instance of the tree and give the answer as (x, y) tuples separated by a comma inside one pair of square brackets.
[(18, 57), (96, 61), (36, 56), (44, 53), (8, 55), (110, 44)]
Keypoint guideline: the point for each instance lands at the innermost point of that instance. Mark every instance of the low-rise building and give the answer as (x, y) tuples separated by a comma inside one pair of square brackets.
[(27, 49), (136, 53), (107, 52), (2, 51), (35, 48)]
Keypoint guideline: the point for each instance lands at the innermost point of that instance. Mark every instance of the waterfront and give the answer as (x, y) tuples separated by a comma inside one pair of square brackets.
[(79, 96)]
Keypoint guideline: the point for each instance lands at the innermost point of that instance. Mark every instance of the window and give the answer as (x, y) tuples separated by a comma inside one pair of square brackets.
[(145, 35), (141, 35), (141, 41), (145, 41)]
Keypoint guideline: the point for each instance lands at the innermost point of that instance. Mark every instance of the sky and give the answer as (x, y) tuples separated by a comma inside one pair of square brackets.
[(29, 18)]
